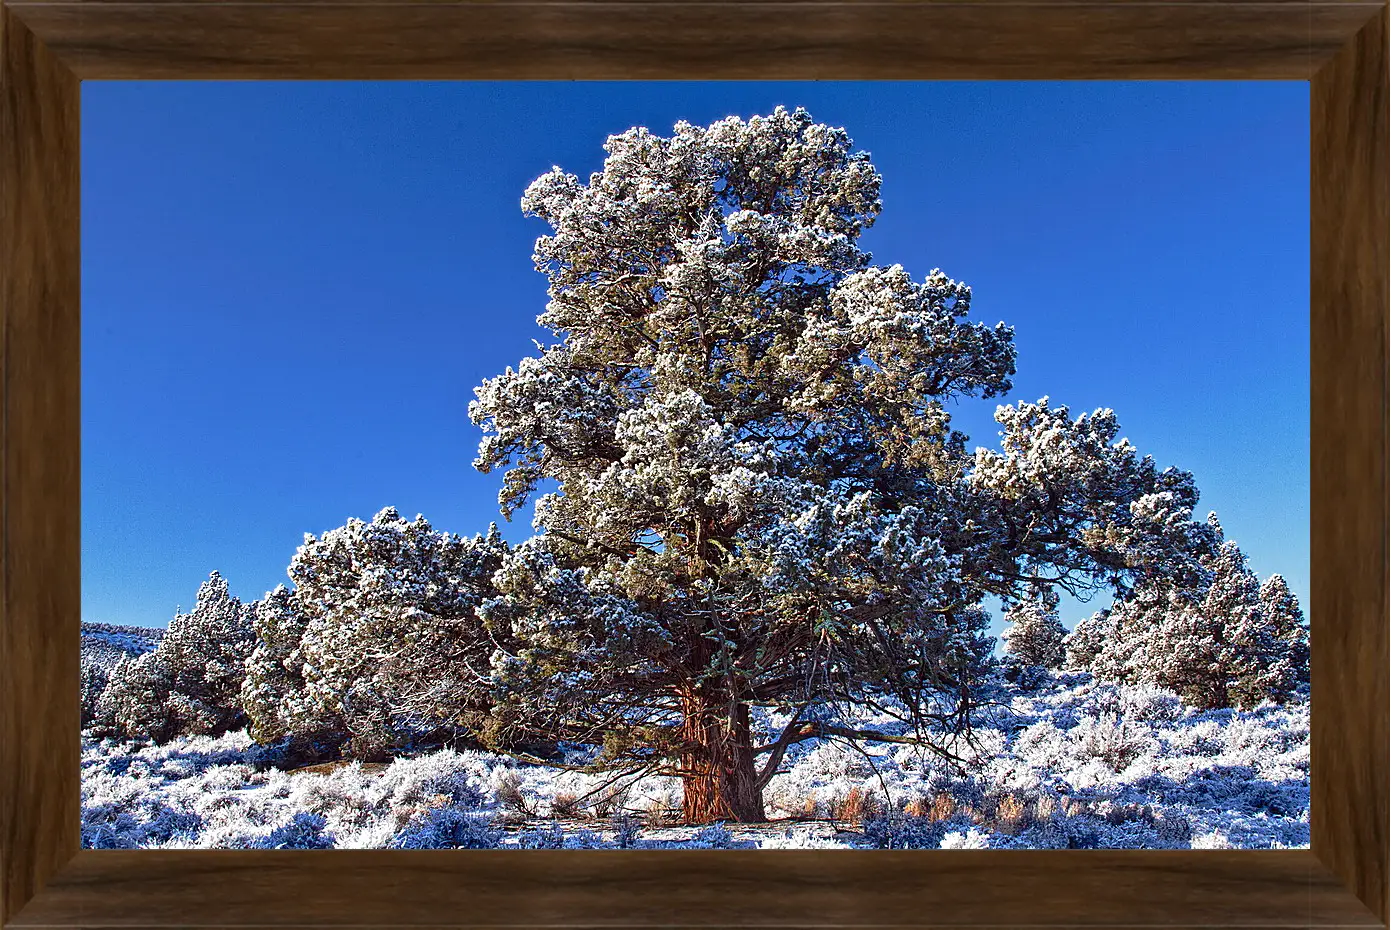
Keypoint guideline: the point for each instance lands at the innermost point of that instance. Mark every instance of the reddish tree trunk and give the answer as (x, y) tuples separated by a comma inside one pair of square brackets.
[(719, 778)]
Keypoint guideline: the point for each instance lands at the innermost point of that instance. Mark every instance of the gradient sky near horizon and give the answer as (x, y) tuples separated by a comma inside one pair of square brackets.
[(290, 290)]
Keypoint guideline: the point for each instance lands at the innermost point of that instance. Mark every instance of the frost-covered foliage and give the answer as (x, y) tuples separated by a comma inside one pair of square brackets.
[(449, 828), (191, 682), (762, 502), (1034, 635), (1074, 764), (1225, 641), (378, 643), (104, 647)]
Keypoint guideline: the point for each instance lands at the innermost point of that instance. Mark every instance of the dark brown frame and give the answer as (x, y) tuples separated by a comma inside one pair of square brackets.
[(47, 47)]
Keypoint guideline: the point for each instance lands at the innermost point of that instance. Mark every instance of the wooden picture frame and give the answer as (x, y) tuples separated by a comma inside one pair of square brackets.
[(47, 47)]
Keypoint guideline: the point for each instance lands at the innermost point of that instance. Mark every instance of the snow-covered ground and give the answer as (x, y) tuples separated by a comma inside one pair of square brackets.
[(1073, 765)]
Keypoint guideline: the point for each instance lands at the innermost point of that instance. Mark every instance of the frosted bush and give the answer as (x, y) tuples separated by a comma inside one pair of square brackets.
[(543, 838), (584, 839), (458, 778), (799, 839), (969, 839), (1113, 741), (626, 830), (1203, 738), (715, 836), (303, 831), (895, 830), (1145, 704), (1215, 839), (449, 828)]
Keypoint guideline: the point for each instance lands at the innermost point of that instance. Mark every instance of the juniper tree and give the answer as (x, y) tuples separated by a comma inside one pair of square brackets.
[(274, 694), (1034, 635), (761, 498), (191, 682), (1226, 640), (378, 643)]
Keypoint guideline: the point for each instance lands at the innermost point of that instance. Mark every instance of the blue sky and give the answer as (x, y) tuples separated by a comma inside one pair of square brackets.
[(290, 290)]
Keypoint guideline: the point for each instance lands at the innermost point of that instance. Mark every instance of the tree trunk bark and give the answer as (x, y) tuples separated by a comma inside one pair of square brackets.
[(719, 779)]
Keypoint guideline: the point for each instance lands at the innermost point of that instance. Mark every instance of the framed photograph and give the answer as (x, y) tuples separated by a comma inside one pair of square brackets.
[(789, 588)]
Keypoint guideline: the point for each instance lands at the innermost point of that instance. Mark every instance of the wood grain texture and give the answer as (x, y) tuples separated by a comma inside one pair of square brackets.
[(488, 888), (46, 46), (39, 509), (894, 40), (1348, 467)]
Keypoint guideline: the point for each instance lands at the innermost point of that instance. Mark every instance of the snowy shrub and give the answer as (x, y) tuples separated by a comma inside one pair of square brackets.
[(1112, 740), (551, 837), (626, 829), (1202, 738), (1151, 705), (584, 839), (799, 839), (449, 828), (969, 839), (715, 836), (457, 778), (1174, 827), (893, 829), (304, 831)]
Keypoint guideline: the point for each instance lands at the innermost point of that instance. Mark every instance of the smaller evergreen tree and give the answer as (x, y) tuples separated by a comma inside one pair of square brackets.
[(93, 678), (274, 694), (1226, 641), (379, 643), (191, 683), (1086, 641), (1034, 636)]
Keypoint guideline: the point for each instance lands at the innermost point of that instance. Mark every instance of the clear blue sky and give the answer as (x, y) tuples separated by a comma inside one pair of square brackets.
[(290, 290)]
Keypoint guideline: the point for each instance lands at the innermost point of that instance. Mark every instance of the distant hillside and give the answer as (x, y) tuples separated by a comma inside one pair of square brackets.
[(103, 644)]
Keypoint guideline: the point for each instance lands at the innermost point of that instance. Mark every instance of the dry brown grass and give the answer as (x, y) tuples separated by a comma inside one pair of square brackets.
[(1075, 808), (858, 805), (939, 807), (1014, 813), (659, 815)]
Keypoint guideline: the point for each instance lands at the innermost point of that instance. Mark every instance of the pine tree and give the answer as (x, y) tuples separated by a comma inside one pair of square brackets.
[(1085, 643), (761, 499)]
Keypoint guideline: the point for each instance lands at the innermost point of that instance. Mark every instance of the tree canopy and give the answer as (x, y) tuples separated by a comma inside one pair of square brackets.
[(760, 496)]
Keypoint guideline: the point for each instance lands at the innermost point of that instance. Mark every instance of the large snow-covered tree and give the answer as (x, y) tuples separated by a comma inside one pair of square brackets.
[(378, 644), (760, 496)]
